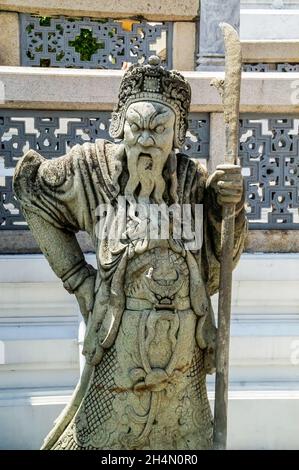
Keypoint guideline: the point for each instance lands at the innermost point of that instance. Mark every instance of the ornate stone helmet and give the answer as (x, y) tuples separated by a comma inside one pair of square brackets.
[(153, 82)]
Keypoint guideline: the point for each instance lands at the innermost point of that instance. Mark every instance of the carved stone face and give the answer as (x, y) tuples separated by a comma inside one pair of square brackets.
[(148, 140)]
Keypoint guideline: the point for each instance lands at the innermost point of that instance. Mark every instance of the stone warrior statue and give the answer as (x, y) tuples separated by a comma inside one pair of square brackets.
[(150, 336)]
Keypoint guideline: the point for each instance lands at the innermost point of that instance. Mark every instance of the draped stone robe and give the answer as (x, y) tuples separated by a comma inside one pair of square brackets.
[(146, 388)]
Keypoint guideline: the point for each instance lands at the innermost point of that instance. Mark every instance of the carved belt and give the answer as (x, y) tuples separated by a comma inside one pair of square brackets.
[(142, 304)]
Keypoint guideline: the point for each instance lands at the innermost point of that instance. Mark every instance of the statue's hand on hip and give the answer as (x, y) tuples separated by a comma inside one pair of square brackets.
[(227, 183), (85, 296)]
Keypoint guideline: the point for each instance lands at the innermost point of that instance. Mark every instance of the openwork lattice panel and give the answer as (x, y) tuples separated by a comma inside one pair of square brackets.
[(267, 67), (198, 136), (260, 67), (287, 67), (269, 154), (92, 43), (53, 133)]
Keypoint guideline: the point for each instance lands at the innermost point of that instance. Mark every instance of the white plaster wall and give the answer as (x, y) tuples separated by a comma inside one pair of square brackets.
[(277, 4), (267, 23), (39, 360)]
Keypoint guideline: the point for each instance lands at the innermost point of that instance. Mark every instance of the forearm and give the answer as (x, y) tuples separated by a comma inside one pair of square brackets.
[(62, 251)]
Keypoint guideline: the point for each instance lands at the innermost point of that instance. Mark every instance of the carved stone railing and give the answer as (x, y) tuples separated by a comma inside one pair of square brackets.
[(271, 56), (268, 67), (100, 43), (53, 133), (52, 109), (106, 34), (92, 43), (99, 34), (269, 154)]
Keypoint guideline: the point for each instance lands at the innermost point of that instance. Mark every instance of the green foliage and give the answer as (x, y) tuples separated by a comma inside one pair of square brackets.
[(45, 21), (86, 44)]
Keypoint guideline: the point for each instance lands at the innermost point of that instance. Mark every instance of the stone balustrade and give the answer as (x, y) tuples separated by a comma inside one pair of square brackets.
[(42, 88), (271, 55), (269, 105), (17, 44), (182, 15)]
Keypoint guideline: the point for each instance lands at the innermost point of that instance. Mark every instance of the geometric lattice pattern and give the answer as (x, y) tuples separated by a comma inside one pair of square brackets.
[(269, 67), (287, 67), (198, 136), (53, 133), (92, 43), (269, 154), (260, 67)]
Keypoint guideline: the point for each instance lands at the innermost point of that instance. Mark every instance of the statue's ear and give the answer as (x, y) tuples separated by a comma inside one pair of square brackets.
[(180, 130), (116, 129)]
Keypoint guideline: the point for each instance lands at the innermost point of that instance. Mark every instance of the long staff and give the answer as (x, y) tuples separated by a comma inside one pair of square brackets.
[(230, 93)]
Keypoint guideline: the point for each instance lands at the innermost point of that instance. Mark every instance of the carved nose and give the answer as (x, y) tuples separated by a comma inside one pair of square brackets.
[(146, 139)]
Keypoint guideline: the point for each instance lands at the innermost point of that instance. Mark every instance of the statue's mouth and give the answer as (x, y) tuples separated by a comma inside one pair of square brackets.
[(144, 155), (145, 159)]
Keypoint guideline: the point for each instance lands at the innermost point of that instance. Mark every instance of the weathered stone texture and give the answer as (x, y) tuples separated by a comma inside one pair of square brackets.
[(150, 336), (9, 39), (154, 10), (183, 47)]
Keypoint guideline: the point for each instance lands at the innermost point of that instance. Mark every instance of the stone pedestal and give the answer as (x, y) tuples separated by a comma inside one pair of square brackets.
[(211, 46)]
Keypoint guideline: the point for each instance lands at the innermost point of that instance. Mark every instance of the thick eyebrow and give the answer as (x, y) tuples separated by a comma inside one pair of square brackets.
[(159, 118), (133, 115)]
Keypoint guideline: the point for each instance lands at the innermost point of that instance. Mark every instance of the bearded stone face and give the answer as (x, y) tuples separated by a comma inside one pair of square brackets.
[(148, 141)]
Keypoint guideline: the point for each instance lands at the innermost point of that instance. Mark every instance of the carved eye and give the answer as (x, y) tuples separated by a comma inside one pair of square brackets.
[(160, 129), (134, 127)]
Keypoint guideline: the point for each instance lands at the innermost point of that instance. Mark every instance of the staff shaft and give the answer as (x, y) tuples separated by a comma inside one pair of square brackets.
[(231, 99), (223, 331)]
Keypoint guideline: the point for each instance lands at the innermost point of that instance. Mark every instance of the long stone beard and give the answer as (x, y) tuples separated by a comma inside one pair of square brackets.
[(146, 179), (150, 185), (151, 178)]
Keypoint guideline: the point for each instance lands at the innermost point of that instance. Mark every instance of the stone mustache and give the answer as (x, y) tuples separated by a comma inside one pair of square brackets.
[(150, 331)]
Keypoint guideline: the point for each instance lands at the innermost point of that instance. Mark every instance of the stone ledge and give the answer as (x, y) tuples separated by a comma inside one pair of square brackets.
[(23, 242), (272, 241), (170, 10), (270, 51), (40, 88), (258, 241)]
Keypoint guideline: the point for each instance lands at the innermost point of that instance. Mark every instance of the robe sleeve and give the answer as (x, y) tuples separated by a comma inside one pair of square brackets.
[(57, 201)]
